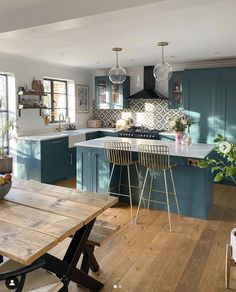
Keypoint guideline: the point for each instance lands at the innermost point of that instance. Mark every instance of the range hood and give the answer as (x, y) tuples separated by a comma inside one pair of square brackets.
[(149, 91)]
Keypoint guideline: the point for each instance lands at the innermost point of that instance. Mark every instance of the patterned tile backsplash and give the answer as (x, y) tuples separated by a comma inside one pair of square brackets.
[(151, 113)]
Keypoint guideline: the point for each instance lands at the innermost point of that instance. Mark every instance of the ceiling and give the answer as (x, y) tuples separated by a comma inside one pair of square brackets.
[(196, 31)]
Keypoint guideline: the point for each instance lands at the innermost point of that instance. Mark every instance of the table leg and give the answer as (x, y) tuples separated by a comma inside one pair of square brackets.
[(89, 260), (66, 269)]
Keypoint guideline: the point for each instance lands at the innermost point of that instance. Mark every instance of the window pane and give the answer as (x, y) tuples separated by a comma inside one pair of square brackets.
[(3, 120), (59, 87), (47, 100), (57, 112), (59, 100), (47, 85), (3, 92)]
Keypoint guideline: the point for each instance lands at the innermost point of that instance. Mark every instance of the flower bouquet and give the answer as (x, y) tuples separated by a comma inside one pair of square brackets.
[(179, 125)]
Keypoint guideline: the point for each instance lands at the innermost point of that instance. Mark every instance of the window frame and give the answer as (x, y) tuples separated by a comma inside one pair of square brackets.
[(6, 148), (52, 80)]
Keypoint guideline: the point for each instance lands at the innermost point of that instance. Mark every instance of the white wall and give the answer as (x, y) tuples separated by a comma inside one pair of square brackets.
[(24, 71)]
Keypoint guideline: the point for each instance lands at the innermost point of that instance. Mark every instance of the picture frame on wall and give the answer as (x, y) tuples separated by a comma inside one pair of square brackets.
[(82, 98)]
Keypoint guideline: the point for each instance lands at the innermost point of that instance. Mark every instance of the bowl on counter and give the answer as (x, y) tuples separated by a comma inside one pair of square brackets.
[(4, 189)]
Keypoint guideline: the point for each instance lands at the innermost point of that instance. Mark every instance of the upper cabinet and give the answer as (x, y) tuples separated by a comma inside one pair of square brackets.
[(175, 90), (228, 95), (109, 95), (203, 104)]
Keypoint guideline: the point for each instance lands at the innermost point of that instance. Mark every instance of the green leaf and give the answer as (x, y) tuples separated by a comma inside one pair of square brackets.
[(217, 140), (214, 168), (218, 177), (203, 163)]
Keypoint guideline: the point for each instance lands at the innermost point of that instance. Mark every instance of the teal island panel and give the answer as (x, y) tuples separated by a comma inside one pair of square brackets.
[(194, 186)]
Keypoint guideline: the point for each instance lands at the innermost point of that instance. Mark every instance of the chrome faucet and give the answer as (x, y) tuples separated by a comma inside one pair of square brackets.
[(59, 129)]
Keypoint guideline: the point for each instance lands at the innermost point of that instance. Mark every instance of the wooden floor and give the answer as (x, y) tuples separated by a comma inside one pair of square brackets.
[(147, 257)]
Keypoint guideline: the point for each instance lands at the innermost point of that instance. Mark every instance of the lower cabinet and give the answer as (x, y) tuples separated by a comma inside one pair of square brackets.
[(108, 133), (71, 162), (45, 161), (93, 135), (164, 137), (92, 170)]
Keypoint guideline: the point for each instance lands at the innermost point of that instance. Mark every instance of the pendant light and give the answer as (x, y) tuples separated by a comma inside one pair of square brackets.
[(163, 70), (117, 74)]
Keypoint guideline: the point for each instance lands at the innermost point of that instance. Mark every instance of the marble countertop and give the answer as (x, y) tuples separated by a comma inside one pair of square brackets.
[(167, 134), (55, 135), (198, 151)]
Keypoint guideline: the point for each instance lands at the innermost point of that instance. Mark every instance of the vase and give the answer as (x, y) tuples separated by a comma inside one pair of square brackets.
[(179, 138)]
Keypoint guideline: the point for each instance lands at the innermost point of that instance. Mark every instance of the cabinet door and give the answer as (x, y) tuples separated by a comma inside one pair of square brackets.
[(175, 90), (84, 169), (108, 133), (111, 96), (93, 135), (203, 104), (71, 162), (229, 93), (102, 92), (54, 159), (92, 170)]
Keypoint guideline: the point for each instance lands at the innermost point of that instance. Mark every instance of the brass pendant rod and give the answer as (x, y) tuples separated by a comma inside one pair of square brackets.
[(162, 55), (117, 66)]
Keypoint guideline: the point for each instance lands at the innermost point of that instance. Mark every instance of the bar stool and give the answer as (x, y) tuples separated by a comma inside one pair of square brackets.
[(119, 153), (156, 158)]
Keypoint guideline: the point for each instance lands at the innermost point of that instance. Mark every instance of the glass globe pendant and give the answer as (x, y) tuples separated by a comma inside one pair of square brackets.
[(162, 71), (117, 74)]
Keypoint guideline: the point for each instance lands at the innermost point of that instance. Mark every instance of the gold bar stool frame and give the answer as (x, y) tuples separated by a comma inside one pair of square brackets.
[(119, 153), (153, 158)]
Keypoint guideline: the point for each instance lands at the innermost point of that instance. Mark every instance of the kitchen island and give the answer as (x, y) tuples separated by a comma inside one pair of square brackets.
[(194, 185)]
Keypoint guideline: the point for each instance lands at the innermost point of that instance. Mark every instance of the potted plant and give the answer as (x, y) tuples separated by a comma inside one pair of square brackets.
[(224, 165), (6, 160)]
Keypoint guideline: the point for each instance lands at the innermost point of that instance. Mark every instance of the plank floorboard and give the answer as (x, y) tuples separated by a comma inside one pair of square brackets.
[(147, 257)]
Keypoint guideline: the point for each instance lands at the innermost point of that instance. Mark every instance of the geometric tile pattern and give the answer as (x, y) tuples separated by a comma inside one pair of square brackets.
[(151, 113)]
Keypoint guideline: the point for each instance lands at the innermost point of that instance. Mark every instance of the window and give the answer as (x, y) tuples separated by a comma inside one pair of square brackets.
[(4, 106), (56, 99)]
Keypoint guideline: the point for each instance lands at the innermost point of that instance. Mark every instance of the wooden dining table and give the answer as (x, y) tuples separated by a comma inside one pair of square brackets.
[(35, 217)]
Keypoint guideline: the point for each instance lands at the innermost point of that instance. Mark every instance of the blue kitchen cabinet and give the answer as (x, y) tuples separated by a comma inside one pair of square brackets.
[(204, 104), (164, 137), (111, 96), (93, 135), (194, 185), (92, 170), (228, 95), (108, 133), (45, 161), (54, 159), (176, 90), (71, 162)]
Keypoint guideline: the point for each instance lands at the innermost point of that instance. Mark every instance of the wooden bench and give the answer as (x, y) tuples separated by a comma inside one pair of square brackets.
[(101, 231)]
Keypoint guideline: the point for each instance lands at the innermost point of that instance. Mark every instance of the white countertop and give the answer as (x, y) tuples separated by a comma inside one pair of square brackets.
[(199, 151), (55, 135), (167, 134)]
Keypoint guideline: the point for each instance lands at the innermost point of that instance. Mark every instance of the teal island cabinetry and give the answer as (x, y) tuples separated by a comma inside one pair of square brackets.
[(194, 185)]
